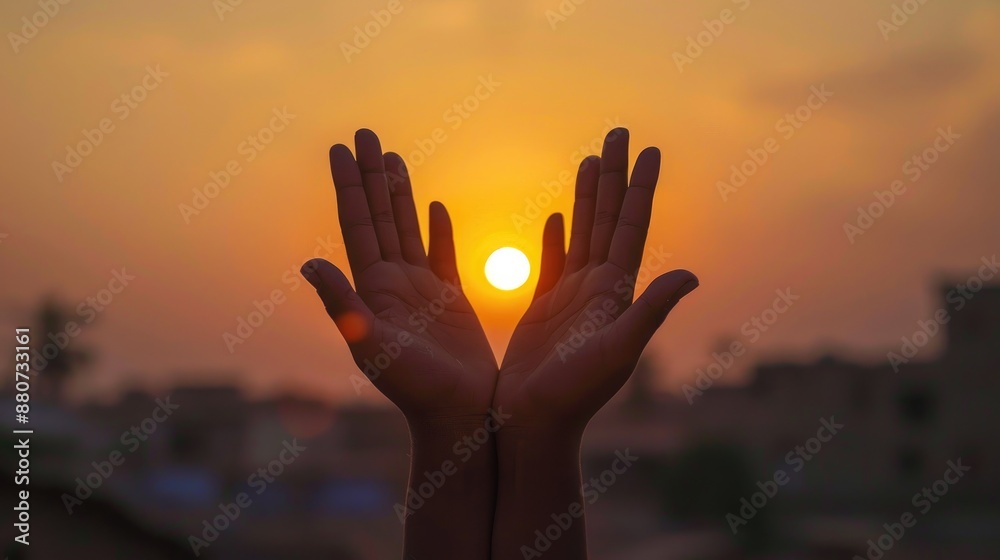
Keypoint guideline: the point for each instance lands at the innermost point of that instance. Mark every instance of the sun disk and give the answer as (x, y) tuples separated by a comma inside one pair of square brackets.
[(507, 268)]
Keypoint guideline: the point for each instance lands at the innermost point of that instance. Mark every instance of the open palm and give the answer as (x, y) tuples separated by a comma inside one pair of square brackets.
[(409, 326), (582, 335)]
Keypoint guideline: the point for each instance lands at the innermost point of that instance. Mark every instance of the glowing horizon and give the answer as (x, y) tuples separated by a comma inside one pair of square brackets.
[(213, 186)]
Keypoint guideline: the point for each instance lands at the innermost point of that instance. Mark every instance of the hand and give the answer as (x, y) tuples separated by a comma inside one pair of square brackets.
[(409, 326), (582, 335), (576, 345), (412, 331)]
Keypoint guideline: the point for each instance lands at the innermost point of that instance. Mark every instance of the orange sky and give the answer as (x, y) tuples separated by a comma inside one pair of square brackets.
[(556, 85)]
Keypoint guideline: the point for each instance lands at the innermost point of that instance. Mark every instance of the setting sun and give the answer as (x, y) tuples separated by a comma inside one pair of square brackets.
[(507, 268)]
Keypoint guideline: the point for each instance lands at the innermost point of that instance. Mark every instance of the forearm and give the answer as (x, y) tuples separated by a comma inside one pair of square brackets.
[(451, 496), (539, 501)]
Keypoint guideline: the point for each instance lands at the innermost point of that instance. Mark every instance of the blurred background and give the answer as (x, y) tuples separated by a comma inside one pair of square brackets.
[(830, 174)]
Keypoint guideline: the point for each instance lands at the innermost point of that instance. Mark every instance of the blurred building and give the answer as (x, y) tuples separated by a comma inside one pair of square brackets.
[(902, 426), (335, 499)]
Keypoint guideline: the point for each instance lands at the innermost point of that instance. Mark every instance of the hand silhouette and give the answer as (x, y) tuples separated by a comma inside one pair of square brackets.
[(575, 346), (582, 335), (412, 331), (409, 326)]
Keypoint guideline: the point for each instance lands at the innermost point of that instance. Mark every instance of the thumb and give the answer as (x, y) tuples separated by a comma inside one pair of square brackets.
[(633, 329), (355, 321)]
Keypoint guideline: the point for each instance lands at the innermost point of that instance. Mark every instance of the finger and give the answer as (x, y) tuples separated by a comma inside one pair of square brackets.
[(404, 210), (632, 330), (352, 208), (610, 192), (553, 255), (583, 213), (633, 222), (441, 252), (352, 317), (377, 191)]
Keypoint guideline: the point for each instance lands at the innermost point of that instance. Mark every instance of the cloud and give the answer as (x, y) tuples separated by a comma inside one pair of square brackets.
[(911, 76)]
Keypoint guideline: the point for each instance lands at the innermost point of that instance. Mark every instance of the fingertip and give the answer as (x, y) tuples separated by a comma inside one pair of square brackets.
[(395, 159), (310, 270), (590, 162), (646, 171), (369, 150), (686, 274), (667, 289), (617, 133), (686, 289), (440, 222), (614, 154), (438, 209), (681, 283), (650, 152), (588, 176), (339, 150), (554, 233)]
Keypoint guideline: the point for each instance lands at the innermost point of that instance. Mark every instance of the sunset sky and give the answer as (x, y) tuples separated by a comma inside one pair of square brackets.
[(544, 89)]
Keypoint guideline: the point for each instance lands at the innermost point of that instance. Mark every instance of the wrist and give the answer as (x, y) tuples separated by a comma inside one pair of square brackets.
[(547, 438), (539, 493), (468, 429), (453, 455), (453, 469), (535, 429), (532, 457)]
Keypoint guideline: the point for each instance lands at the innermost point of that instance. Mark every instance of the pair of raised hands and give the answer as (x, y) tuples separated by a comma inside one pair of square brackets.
[(495, 449)]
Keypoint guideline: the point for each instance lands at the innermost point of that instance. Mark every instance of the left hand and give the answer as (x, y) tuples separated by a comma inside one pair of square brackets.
[(409, 326)]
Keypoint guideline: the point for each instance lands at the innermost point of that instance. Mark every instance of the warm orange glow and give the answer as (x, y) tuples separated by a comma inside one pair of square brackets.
[(492, 105)]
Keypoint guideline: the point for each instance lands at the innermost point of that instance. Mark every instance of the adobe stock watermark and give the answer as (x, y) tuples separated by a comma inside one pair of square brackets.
[(264, 309), (464, 449), (611, 307), (33, 24), (701, 41), (785, 127), (372, 367), (259, 482), (225, 7), (454, 116), (248, 150), (929, 328), (88, 311), (796, 460), (562, 12), (366, 33), (753, 329), (923, 502), (535, 206), (914, 169), (899, 16), (121, 107), (592, 492), (131, 439)]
